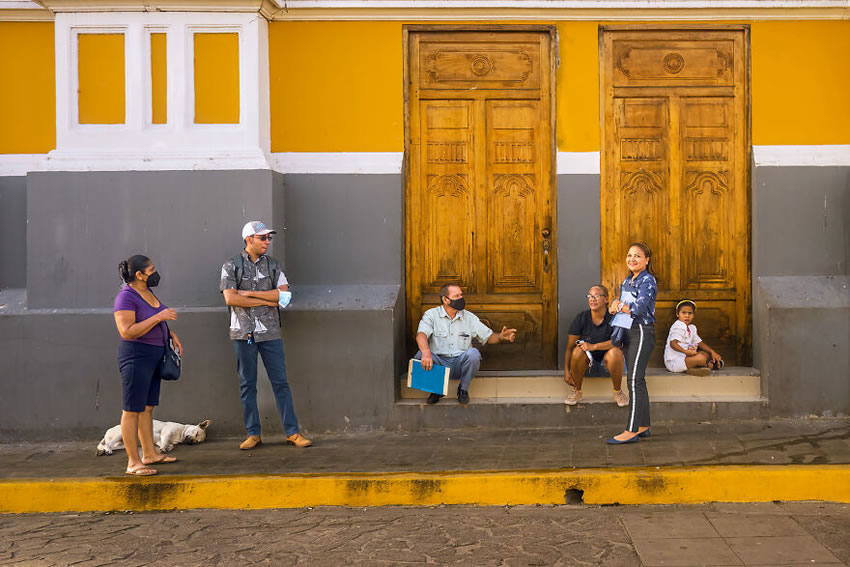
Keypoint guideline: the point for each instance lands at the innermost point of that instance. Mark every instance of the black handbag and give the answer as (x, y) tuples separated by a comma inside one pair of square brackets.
[(169, 368)]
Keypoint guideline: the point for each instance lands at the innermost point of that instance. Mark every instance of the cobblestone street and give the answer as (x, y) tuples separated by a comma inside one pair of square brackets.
[(719, 534)]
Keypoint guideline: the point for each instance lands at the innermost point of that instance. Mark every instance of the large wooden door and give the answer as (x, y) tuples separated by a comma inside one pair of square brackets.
[(480, 184), (675, 173)]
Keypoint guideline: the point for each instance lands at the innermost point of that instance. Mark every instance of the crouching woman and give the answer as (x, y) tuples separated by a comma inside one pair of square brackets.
[(140, 318)]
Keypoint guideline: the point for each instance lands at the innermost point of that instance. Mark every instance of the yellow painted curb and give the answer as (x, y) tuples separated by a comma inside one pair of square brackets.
[(667, 485)]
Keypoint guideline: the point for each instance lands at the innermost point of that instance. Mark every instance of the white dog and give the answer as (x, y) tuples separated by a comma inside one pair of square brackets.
[(166, 434)]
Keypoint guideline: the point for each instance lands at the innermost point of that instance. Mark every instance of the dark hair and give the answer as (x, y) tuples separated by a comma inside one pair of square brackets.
[(128, 268), (602, 287), (647, 251), (444, 289), (681, 303)]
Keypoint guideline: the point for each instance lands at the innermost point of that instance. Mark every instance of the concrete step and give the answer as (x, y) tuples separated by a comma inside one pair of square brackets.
[(735, 384)]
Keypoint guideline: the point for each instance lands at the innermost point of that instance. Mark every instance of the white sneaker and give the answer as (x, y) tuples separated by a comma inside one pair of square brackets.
[(621, 398), (574, 397)]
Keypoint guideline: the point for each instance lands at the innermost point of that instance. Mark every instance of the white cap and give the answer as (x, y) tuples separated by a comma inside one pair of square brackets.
[(256, 228)]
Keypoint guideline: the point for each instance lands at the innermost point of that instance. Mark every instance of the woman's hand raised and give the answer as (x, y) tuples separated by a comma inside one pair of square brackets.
[(167, 315)]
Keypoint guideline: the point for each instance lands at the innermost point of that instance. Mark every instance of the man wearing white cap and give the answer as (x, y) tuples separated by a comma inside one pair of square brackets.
[(254, 288)]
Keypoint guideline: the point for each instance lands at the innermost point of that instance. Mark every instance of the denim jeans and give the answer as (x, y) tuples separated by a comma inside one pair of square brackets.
[(462, 367), (273, 360)]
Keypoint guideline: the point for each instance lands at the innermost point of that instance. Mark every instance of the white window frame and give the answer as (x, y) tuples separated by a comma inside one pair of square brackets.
[(179, 143)]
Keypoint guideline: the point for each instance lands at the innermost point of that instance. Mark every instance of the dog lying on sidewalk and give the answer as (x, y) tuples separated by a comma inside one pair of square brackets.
[(166, 434)]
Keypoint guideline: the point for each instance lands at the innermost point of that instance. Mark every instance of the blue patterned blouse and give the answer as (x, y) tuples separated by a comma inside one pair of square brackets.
[(640, 297)]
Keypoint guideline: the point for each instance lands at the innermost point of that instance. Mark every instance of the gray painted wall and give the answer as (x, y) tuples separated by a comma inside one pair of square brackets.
[(801, 242), (340, 340), (341, 241), (13, 232), (801, 226), (579, 248), (82, 224), (66, 382), (806, 324), (344, 229), (801, 221)]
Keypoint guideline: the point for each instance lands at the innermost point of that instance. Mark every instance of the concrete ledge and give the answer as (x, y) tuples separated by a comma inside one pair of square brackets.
[(416, 415), (686, 485), (741, 384)]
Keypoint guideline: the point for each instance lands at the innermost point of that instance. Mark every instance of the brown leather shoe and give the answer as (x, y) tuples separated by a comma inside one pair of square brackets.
[(251, 442), (298, 440)]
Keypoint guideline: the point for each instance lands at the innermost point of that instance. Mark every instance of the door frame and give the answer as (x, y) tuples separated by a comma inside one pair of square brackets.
[(745, 341), (554, 62)]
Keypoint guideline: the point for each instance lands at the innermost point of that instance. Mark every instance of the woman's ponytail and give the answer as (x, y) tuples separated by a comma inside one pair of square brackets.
[(123, 271)]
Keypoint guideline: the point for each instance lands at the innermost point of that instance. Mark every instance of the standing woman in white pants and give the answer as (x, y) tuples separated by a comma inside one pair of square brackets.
[(637, 299)]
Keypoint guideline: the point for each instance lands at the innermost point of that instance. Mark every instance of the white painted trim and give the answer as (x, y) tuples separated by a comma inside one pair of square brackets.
[(17, 165), (27, 15), (569, 163), (194, 159), (559, 10), (801, 155), (455, 10), (575, 163), (342, 162)]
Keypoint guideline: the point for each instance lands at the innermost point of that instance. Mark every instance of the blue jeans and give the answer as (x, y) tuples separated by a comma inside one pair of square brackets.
[(273, 360), (463, 366)]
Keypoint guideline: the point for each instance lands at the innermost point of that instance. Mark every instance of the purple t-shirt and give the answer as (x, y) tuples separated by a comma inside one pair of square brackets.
[(128, 299)]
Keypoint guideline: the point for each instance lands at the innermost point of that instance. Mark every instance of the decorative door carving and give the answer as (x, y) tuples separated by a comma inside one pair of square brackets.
[(675, 173), (480, 183)]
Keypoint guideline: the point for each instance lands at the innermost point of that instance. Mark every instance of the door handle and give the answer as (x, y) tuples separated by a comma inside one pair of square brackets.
[(547, 245)]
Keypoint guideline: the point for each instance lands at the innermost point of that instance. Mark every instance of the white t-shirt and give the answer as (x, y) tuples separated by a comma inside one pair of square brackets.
[(687, 337)]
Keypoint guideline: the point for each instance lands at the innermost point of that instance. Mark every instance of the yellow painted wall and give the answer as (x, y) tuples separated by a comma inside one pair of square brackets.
[(216, 78), (336, 87), (333, 91), (577, 86), (27, 91), (801, 82), (159, 79), (101, 78)]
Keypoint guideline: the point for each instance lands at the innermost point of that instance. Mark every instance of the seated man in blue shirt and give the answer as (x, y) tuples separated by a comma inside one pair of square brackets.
[(589, 349), (445, 336)]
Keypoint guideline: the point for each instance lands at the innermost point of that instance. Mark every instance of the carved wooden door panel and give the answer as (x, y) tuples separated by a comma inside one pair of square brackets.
[(480, 185), (675, 173)]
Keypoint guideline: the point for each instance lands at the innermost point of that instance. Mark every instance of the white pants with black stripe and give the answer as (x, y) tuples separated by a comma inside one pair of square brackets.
[(641, 341)]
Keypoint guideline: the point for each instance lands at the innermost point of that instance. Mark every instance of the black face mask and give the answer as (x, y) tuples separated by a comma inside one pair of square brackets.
[(457, 304), (153, 279)]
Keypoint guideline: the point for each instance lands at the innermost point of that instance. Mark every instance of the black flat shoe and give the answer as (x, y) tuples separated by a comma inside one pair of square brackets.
[(463, 397), (613, 441), (434, 398)]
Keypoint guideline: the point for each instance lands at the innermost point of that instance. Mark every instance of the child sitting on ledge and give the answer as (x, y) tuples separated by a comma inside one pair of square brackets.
[(685, 351)]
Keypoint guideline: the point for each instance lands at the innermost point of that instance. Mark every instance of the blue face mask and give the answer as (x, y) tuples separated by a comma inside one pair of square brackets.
[(284, 298)]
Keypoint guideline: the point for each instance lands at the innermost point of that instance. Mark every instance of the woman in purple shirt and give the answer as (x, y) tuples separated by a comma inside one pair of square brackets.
[(140, 318)]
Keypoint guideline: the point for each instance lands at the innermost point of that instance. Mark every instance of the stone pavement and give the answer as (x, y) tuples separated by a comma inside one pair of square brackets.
[(821, 441), (801, 533)]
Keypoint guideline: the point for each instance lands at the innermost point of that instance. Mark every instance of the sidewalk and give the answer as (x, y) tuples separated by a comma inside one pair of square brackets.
[(738, 461)]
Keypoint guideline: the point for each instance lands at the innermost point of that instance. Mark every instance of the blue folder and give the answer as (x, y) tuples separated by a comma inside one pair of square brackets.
[(435, 380)]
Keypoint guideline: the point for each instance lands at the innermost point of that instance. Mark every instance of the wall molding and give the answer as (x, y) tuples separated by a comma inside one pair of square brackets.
[(455, 10), (837, 155), (578, 163), (338, 162), (363, 163), (561, 10), (18, 165)]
